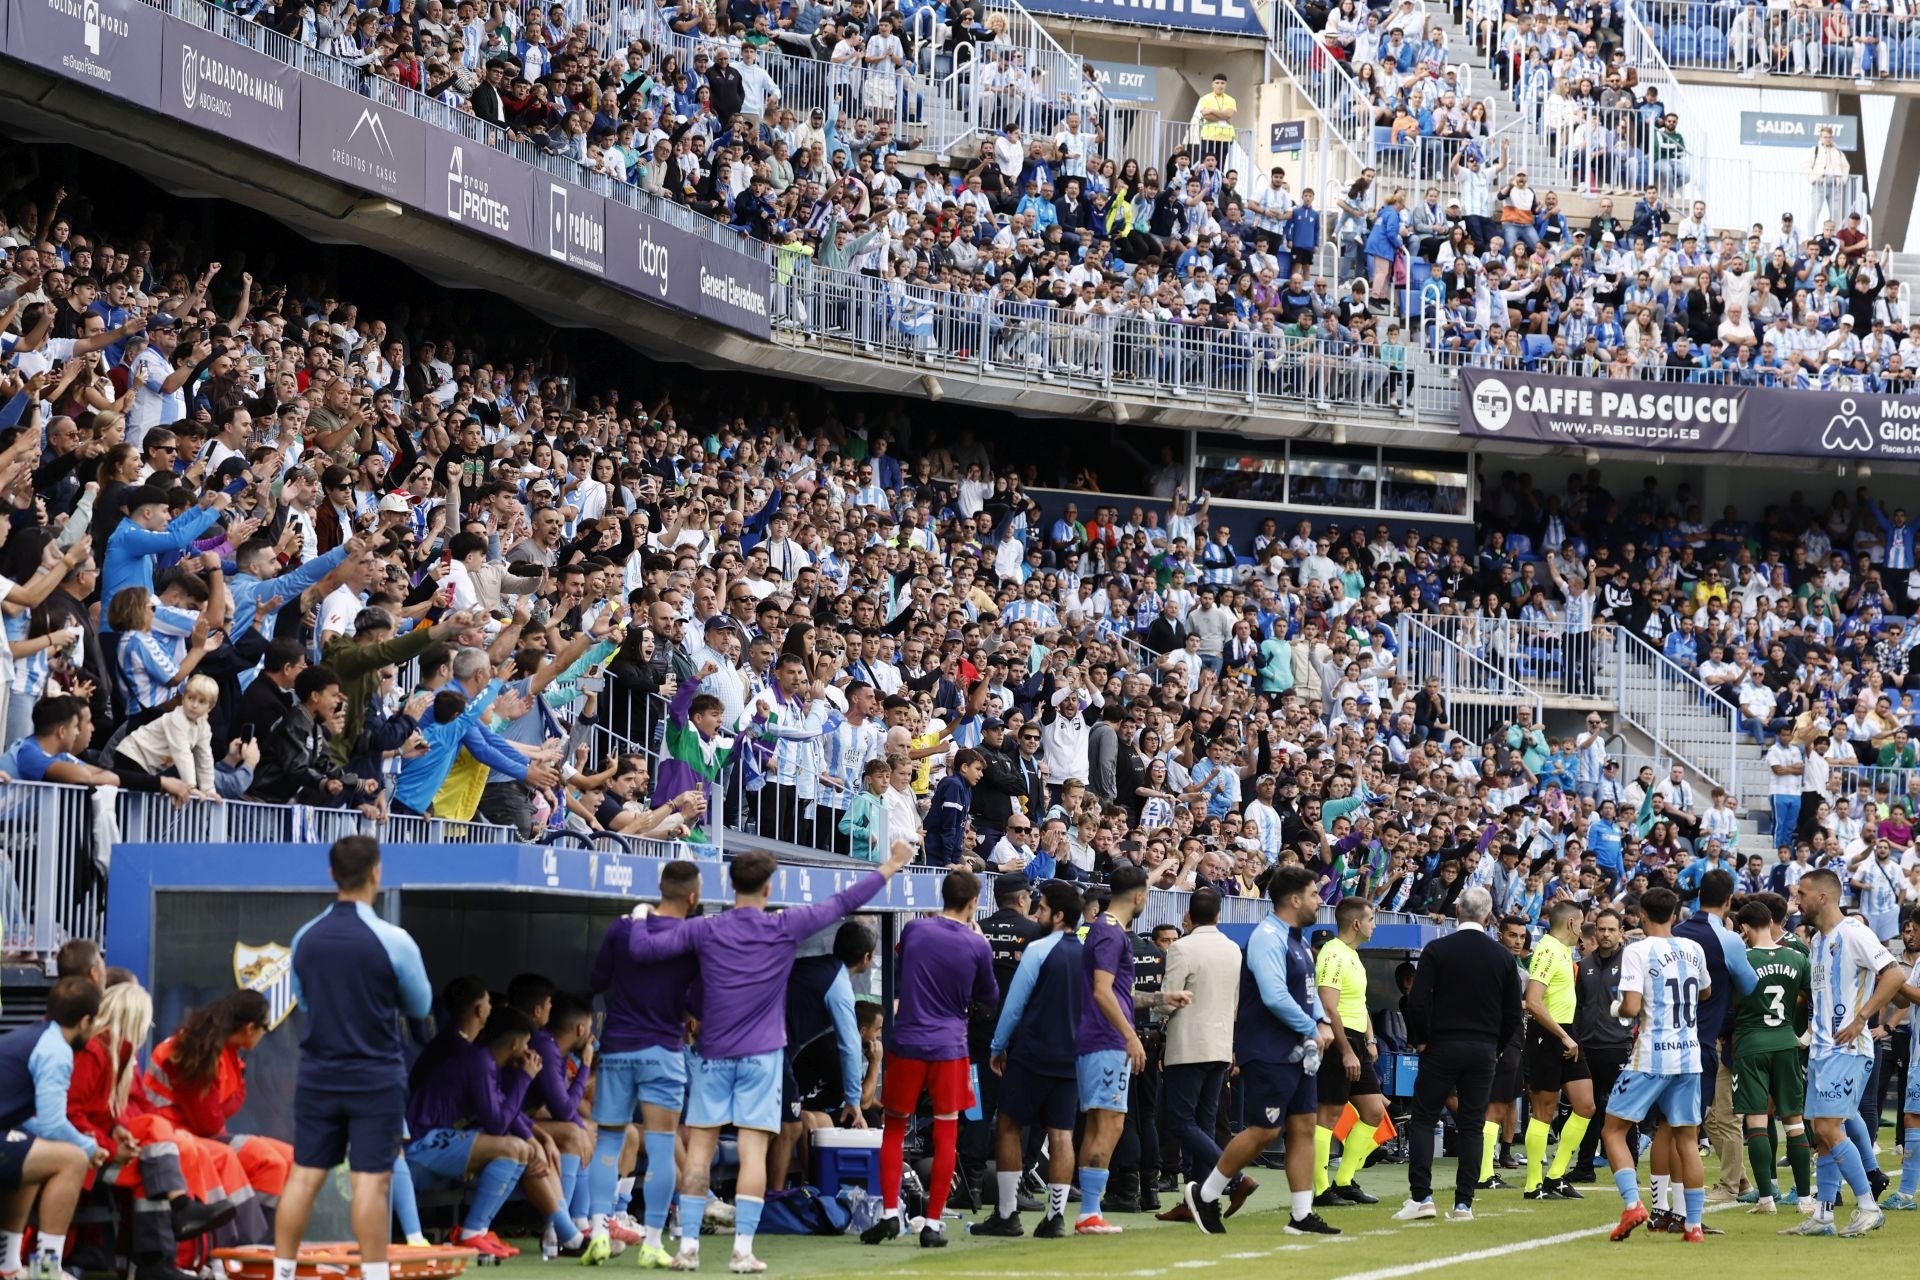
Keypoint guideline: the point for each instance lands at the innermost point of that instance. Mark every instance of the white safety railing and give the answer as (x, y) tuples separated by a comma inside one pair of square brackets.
[(1056, 81), (1131, 351), (50, 890), (153, 818), (1325, 82), (1686, 721), (1543, 654), (1480, 697)]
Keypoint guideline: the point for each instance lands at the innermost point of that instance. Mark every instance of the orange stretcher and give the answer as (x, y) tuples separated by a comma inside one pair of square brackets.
[(342, 1261)]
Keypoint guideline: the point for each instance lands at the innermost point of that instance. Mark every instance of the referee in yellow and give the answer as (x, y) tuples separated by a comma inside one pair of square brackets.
[(1554, 1062), (1347, 1073)]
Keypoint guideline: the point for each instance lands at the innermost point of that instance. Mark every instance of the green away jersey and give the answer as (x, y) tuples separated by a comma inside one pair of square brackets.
[(1771, 1016)]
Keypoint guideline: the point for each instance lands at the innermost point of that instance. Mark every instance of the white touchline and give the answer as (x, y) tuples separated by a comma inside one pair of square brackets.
[(1482, 1255)]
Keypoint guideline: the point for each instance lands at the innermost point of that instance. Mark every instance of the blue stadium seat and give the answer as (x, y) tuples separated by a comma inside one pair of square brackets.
[(1699, 15), (1300, 46), (1535, 346), (1906, 58), (1713, 50), (1681, 45), (1658, 34)]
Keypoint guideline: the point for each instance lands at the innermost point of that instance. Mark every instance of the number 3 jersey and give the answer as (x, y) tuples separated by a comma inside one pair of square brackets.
[(1846, 964), (1770, 1018), (1669, 974)]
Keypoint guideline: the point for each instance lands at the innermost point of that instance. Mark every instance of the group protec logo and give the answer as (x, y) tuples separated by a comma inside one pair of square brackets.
[(1492, 405)]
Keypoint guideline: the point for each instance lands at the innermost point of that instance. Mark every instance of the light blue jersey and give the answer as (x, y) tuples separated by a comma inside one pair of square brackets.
[(1670, 975), (1847, 960)]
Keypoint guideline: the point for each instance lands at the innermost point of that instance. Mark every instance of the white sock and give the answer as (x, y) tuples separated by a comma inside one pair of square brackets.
[(285, 1268), (1056, 1199), (624, 1187), (10, 1244), (1215, 1186), (1302, 1203), (1823, 1212), (598, 1225), (375, 1270), (1661, 1182), (55, 1245), (890, 1213), (742, 1245), (652, 1236), (1009, 1184), (933, 1224)]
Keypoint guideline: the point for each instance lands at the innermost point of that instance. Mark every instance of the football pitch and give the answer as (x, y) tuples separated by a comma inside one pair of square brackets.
[(1549, 1240)]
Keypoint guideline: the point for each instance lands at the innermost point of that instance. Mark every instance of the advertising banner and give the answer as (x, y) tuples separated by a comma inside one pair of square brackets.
[(1793, 129), (1686, 417), (1220, 17), (356, 140), (569, 224), (108, 44), (230, 89), (689, 273), (1125, 82), (484, 190)]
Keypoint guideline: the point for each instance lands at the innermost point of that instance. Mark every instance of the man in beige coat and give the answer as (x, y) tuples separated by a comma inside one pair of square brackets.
[(1199, 1049)]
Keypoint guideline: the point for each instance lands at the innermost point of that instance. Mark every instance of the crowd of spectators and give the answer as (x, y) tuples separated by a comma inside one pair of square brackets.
[(264, 545)]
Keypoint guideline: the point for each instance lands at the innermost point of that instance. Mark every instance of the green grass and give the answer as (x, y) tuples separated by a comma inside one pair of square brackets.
[(1256, 1245)]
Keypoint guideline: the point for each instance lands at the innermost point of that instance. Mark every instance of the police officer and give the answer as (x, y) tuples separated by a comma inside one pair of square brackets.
[(1008, 931), (1136, 1159), (1604, 1040)]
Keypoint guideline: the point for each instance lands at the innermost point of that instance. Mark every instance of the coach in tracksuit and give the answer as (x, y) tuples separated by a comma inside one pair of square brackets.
[(1604, 1040), (356, 976)]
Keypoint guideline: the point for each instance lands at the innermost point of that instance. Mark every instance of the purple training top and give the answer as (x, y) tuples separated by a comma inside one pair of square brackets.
[(944, 967), (646, 1003), (745, 958), (1106, 947), (466, 1089)]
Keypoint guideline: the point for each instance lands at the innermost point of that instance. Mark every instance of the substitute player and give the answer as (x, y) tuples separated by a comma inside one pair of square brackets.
[(1853, 978), (1280, 1033), (1662, 980), (1554, 1061), (1109, 1048), (1032, 1051), (746, 956), (1347, 1072), (357, 976), (945, 967), (1769, 1076), (642, 1067)]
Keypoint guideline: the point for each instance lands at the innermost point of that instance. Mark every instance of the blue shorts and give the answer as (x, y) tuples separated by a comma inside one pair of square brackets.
[(439, 1157), (744, 1092), (366, 1128), (1836, 1084), (1104, 1077), (1912, 1105), (1636, 1094), (1272, 1091), (654, 1076), (1031, 1098)]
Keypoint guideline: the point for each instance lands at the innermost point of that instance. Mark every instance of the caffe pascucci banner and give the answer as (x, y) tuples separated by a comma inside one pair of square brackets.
[(1685, 417), (139, 55)]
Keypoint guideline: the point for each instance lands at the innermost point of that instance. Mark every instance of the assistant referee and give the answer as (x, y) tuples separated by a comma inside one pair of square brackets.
[(356, 976), (1347, 1072)]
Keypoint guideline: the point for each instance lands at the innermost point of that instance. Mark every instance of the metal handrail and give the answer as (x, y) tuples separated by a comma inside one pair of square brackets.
[(1679, 695)]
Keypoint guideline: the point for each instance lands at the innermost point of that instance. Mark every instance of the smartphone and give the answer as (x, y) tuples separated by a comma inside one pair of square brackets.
[(238, 487), (244, 733)]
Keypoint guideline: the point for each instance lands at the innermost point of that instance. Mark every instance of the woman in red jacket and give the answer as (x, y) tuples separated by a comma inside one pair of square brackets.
[(198, 1081), (169, 1173)]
